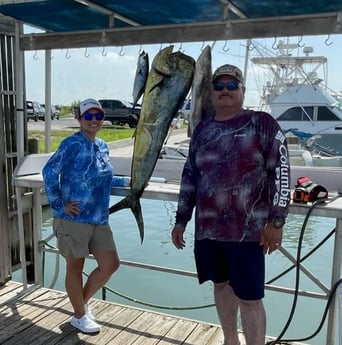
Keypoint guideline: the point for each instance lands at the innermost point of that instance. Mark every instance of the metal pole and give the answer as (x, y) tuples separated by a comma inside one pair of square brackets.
[(47, 101), (19, 89), (335, 276)]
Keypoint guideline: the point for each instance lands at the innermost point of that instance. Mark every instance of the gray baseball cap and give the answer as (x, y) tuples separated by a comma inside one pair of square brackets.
[(231, 70)]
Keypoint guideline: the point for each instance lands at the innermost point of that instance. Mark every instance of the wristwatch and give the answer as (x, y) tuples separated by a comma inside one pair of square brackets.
[(278, 223)]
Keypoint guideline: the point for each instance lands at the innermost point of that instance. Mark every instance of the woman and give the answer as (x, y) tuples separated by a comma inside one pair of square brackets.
[(77, 181)]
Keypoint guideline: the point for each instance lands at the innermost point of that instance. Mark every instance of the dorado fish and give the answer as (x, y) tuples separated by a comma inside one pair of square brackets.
[(167, 85), (201, 104), (141, 75)]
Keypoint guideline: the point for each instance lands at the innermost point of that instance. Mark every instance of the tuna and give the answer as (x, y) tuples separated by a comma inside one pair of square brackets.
[(201, 104), (168, 83), (141, 75)]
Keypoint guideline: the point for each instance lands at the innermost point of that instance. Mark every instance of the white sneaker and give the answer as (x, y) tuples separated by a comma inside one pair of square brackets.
[(89, 312), (84, 324)]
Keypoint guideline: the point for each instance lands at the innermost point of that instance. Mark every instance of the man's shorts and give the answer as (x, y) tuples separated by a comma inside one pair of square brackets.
[(240, 263), (80, 239)]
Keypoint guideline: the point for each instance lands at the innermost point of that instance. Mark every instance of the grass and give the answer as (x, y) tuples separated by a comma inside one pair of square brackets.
[(107, 133)]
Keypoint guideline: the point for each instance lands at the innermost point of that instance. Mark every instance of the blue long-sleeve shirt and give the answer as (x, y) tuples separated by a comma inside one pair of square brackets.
[(80, 170), (237, 177)]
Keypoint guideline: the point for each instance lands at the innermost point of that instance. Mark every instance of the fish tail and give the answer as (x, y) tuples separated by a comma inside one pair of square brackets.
[(124, 203), (134, 205), (136, 209)]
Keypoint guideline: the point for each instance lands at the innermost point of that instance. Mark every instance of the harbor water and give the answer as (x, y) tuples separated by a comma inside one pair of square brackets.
[(183, 296)]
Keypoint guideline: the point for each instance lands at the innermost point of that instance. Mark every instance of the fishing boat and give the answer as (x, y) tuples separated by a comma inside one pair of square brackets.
[(298, 97)]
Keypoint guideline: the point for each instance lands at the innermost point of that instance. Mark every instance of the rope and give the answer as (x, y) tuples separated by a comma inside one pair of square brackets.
[(133, 299)]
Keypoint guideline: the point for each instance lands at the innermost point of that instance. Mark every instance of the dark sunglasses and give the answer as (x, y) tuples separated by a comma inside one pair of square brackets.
[(89, 116), (230, 85)]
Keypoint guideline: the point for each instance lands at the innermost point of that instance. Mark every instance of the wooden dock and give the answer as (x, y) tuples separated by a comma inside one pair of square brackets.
[(41, 316)]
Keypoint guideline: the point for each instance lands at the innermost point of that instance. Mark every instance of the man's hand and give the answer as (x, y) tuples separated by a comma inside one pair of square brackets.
[(177, 236), (271, 238)]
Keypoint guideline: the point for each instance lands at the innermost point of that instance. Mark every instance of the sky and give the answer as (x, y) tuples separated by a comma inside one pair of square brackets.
[(109, 72)]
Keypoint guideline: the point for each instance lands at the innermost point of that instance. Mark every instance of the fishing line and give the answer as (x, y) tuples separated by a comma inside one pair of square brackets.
[(279, 339)]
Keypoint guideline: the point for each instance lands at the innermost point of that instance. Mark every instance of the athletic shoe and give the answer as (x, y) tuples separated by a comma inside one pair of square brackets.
[(89, 312), (85, 325)]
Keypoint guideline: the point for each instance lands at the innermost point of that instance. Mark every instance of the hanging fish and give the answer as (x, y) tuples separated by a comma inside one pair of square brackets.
[(141, 75), (168, 83), (201, 104)]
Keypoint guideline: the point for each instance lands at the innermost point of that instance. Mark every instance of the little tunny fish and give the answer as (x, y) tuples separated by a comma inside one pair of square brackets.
[(201, 104), (167, 85), (141, 75)]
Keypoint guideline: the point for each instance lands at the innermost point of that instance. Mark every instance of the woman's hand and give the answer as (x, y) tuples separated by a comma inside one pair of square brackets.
[(71, 208)]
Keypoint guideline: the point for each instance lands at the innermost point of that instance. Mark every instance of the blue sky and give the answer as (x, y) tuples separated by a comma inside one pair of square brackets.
[(109, 72)]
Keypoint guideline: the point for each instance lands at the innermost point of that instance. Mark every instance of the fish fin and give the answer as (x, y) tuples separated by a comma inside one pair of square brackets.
[(134, 204), (124, 203)]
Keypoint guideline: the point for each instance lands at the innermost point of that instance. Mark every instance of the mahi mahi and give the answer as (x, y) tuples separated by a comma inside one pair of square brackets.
[(140, 78), (167, 85), (201, 104)]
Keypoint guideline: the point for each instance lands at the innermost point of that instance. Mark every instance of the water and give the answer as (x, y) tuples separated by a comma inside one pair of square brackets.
[(173, 292)]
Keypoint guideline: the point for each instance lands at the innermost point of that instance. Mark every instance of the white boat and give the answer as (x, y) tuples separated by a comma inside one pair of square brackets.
[(298, 97)]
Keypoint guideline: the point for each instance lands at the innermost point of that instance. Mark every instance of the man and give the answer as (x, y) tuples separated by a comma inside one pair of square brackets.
[(237, 176)]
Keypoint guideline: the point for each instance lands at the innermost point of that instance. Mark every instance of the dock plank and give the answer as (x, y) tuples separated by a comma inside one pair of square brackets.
[(202, 334), (41, 316), (156, 330), (179, 332)]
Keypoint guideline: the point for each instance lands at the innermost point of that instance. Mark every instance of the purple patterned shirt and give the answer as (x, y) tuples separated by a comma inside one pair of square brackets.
[(237, 175)]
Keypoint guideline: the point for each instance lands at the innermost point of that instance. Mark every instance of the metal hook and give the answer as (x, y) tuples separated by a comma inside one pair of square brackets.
[(140, 49), (35, 56), (161, 46), (104, 53), (273, 45), (86, 54), (202, 45), (250, 46), (299, 42), (327, 43), (180, 47), (225, 47), (121, 53), (67, 55)]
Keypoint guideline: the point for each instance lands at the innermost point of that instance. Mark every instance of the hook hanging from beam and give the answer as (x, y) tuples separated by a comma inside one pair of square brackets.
[(328, 42), (225, 47)]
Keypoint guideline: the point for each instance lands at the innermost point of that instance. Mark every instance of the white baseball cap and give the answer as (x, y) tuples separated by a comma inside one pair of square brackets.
[(89, 103)]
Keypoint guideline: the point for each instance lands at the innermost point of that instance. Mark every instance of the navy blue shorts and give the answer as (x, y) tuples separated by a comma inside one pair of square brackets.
[(240, 263)]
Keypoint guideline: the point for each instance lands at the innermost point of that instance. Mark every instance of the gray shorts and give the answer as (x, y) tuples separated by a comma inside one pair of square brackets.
[(80, 239)]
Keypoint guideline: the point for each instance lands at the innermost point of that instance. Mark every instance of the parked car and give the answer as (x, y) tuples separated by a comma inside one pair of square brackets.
[(41, 112), (184, 110), (120, 112), (32, 110), (54, 112)]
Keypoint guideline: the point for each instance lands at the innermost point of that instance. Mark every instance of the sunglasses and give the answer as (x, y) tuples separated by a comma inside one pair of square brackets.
[(89, 116), (230, 85)]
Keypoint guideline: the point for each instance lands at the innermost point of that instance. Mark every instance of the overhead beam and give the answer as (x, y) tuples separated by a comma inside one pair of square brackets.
[(110, 13), (322, 24)]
